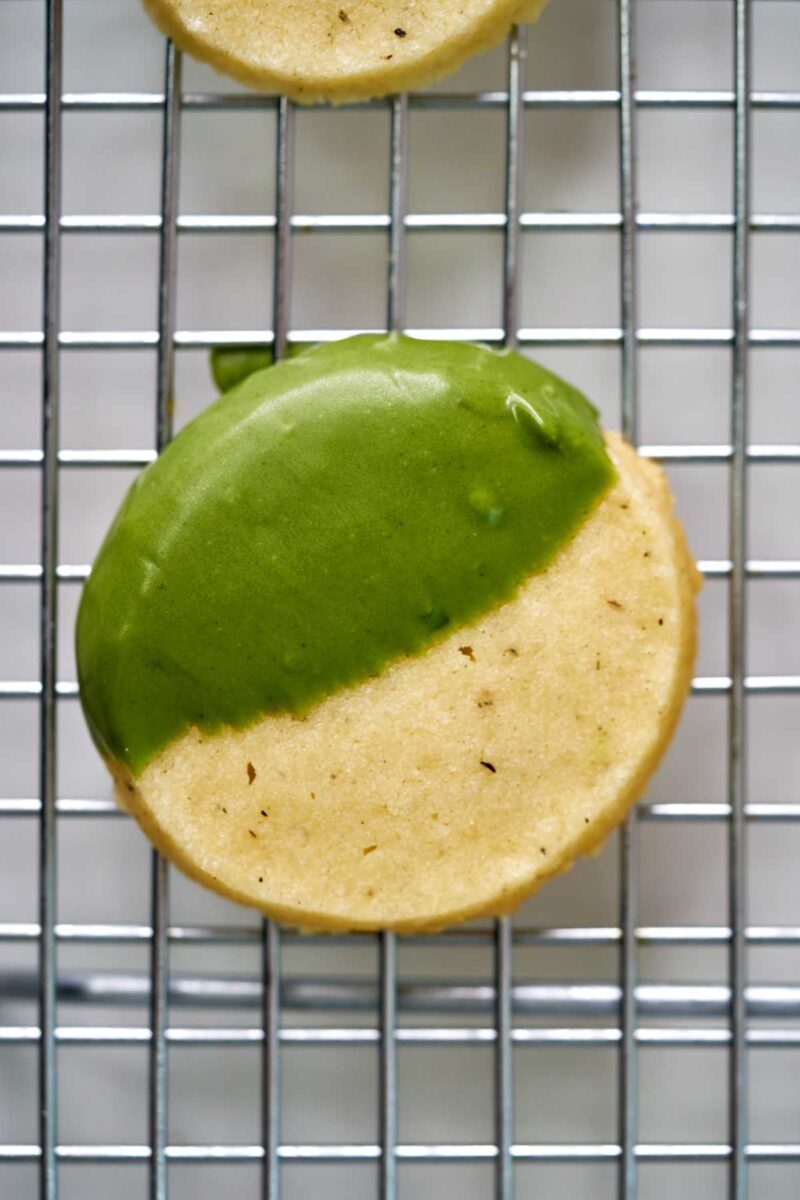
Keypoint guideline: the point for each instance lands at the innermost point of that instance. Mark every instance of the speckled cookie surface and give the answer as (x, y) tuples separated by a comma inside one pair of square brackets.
[(337, 50), (458, 781)]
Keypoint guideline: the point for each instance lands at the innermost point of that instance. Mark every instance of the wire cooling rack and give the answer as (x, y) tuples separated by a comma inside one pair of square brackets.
[(504, 1016)]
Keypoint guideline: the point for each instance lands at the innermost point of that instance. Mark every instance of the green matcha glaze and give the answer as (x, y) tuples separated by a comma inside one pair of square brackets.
[(231, 364), (332, 513)]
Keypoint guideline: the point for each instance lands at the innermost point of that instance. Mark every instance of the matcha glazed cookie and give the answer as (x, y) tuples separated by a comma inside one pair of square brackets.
[(337, 50), (388, 635)]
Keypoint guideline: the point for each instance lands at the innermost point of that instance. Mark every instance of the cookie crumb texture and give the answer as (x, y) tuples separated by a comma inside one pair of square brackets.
[(457, 782), (322, 51)]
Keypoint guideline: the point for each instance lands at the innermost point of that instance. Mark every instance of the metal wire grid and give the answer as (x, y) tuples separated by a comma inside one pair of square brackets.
[(631, 1000)]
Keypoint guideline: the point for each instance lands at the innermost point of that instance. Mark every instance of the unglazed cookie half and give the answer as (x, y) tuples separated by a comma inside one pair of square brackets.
[(337, 50)]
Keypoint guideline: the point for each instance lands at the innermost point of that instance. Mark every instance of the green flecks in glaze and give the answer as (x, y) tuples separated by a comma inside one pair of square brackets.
[(333, 513)]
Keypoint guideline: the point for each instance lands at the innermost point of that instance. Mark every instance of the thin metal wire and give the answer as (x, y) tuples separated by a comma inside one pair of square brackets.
[(564, 222), (573, 935), (397, 221), (284, 193), (168, 248), (514, 187), (561, 335), (388, 1088), (504, 1183), (737, 728), (628, 1101), (271, 1058), (587, 1000), (159, 949), (312, 1037), (440, 1152), (669, 98), (48, 611), (206, 339), (271, 934)]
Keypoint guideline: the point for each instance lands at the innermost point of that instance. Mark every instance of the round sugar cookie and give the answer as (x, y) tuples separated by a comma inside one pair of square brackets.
[(337, 50), (388, 636), (456, 783)]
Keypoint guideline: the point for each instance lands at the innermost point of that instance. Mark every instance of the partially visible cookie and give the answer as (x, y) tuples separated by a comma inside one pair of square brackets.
[(337, 50), (458, 781)]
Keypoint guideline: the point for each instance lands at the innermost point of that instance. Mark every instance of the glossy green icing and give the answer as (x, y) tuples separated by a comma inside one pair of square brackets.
[(332, 513), (231, 364)]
